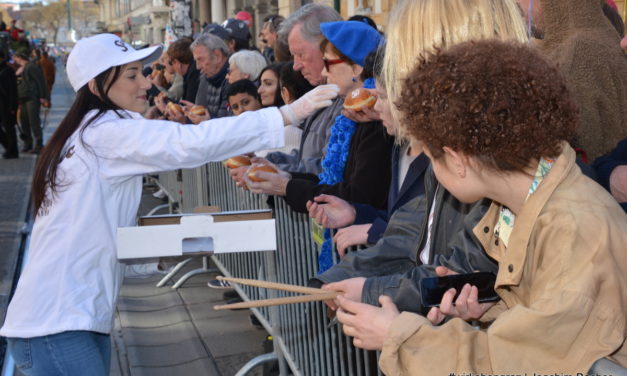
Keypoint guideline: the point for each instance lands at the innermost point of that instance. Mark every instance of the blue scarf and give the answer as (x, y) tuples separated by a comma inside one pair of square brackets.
[(333, 170)]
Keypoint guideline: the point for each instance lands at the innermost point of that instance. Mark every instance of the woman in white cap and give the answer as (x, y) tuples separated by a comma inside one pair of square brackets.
[(88, 182)]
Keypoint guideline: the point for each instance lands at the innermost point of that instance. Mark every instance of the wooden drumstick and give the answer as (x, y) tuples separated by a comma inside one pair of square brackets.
[(274, 285), (279, 301)]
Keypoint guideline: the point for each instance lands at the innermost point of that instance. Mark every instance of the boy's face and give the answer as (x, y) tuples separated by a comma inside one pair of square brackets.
[(242, 102)]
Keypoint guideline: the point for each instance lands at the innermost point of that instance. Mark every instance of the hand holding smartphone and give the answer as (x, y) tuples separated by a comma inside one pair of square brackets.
[(432, 289)]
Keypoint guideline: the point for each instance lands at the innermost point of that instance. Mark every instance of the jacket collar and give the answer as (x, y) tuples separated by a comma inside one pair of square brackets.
[(512, 260), (218, 79), (191, 71), (416, 169)]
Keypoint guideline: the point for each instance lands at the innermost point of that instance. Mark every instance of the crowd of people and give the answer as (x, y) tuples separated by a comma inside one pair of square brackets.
[(497, 142), (26, 80), (27, 74)]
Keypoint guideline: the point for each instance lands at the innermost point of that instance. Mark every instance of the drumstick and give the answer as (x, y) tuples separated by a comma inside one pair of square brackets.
[(274, 285), (279, 301)]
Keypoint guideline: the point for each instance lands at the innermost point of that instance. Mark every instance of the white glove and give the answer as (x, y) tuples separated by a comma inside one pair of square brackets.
[(303, 107)]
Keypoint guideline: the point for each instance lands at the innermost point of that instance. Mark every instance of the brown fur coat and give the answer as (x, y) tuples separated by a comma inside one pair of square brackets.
[(585, 46)]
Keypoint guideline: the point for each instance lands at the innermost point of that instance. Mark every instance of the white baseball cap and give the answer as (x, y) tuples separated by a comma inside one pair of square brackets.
[(94, 55)]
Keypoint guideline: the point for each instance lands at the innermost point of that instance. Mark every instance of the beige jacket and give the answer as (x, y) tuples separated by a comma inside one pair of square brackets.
[(562, 281)]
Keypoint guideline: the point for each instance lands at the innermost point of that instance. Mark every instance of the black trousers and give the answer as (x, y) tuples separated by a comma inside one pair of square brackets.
[(8, 135)]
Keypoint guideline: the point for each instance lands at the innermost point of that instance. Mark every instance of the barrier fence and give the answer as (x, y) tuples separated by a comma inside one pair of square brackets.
[(304, 342)]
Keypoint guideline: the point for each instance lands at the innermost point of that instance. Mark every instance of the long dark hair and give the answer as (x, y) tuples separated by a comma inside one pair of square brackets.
[(45, 176), (276, 68)]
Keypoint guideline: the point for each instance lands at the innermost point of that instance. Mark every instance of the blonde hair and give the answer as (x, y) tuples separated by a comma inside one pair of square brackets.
[(419, 27)]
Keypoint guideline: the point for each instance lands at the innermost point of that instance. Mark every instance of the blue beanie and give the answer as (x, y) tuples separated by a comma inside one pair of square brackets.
[(352, 38)]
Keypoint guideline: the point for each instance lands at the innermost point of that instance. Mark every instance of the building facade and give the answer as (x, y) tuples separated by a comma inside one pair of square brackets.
[(144, 21)]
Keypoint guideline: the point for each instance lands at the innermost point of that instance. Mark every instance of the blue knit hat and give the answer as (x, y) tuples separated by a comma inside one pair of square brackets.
[(352, 38)]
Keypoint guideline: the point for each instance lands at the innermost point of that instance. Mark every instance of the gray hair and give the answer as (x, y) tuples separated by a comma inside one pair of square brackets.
[(310, 16), (211, 42), (249, 62)]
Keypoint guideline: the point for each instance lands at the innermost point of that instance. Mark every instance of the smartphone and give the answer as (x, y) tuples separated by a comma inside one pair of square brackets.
[(432, 289), (159, 66)]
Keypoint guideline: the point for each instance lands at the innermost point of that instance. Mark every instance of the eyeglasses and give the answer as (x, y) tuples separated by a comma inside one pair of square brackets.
[(328, 63)]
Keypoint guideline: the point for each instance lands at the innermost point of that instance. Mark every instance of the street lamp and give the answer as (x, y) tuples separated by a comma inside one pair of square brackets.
[(71, 35)]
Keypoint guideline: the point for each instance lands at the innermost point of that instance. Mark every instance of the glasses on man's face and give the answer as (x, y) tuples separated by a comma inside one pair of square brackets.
[(329, 62)]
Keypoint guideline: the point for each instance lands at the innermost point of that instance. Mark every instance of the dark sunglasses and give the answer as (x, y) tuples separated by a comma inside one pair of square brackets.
[(328, 63)]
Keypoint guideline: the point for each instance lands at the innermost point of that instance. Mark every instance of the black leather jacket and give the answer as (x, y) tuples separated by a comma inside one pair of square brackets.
[(393, 267)]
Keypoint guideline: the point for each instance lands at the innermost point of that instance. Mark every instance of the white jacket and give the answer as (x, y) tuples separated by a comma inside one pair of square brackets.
[(72, 278)]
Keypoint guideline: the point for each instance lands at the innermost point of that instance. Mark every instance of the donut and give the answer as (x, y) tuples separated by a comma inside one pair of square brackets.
[(175, 109), (237, 161), (359, 99), (198, 110), (254, 169)]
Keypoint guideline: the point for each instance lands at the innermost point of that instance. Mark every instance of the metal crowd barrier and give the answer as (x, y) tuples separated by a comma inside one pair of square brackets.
[(304, 344)]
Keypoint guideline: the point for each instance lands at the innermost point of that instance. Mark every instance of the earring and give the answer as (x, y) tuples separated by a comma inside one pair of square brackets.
[(354, 79)]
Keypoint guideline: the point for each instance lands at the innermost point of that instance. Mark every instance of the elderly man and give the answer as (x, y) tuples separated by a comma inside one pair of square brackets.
[(211, 55), (302, 32)]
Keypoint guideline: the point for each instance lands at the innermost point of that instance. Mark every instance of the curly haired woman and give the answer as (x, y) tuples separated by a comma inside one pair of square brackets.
[(493, 118)]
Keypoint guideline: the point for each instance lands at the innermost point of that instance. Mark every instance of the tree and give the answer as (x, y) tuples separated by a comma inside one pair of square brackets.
[(85, 14), (47, 20)]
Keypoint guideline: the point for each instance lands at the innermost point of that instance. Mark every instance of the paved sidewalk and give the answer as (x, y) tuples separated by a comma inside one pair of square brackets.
[(162, 331)]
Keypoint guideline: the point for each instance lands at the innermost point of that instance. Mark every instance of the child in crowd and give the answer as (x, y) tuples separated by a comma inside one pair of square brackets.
[(242, 96)]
